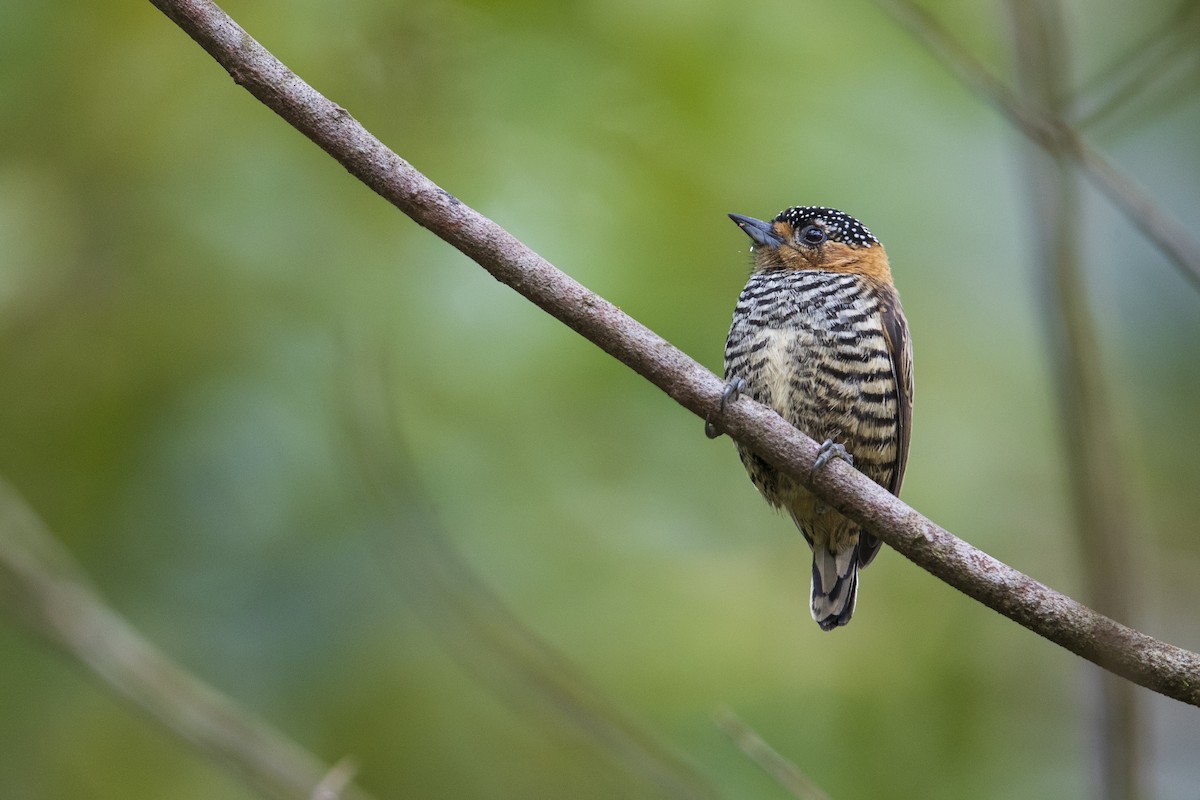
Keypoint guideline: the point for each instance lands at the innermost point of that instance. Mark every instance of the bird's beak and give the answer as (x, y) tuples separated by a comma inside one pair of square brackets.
[(761, 232)]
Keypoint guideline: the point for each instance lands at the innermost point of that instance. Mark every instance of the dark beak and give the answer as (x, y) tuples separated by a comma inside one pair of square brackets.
[(759, 231)]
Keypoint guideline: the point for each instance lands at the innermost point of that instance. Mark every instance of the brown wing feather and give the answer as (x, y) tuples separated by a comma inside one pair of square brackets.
[(895, 331)]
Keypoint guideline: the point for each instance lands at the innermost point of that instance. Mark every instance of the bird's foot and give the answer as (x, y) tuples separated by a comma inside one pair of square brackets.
[(828, 450), (831, 449), (733, 390)]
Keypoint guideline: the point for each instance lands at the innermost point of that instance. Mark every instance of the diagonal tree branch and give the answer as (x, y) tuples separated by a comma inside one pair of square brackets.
[(1162, 667)]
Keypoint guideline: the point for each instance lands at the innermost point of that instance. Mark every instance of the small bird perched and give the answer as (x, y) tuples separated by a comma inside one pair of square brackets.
[(818, 335)]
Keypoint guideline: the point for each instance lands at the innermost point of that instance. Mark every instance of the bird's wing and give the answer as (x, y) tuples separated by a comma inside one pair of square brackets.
[(895, 331)]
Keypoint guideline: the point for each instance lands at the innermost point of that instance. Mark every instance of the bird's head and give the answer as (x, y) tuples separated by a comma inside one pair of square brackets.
[(815, 238)]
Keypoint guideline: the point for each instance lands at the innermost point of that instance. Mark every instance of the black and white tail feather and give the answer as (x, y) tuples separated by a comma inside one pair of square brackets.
[(834, 586)]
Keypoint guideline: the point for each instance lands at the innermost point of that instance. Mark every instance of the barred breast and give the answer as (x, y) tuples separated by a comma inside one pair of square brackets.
[(811, 346)]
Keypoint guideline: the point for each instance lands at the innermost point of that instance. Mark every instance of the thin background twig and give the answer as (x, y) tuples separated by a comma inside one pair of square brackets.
[(757, 749), (1104, 523), (43, 586), (472, 622), (1153, 63), (1054, 134)]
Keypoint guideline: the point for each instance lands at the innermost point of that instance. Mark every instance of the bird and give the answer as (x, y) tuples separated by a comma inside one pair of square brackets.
[(818, 335)]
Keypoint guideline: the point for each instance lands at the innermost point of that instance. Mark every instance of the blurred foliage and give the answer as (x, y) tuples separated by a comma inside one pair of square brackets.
[(183, 280)]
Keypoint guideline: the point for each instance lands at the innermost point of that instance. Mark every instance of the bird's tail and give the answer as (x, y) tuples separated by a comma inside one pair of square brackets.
[(834, 586)]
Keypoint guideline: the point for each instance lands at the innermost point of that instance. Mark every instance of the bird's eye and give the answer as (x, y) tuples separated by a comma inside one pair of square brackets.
[(812, 234)]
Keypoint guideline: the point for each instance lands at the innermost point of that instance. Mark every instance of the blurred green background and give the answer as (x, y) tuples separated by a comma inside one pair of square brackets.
[(192, 297)]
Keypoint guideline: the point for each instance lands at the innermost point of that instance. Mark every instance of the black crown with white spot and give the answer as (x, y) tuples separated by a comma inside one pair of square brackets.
[(839, 226)]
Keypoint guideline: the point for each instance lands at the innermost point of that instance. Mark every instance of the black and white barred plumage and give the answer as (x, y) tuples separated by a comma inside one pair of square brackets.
[(818, 335)]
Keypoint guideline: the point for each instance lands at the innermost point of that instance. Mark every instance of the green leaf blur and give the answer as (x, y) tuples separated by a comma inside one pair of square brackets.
[(193, 298)]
